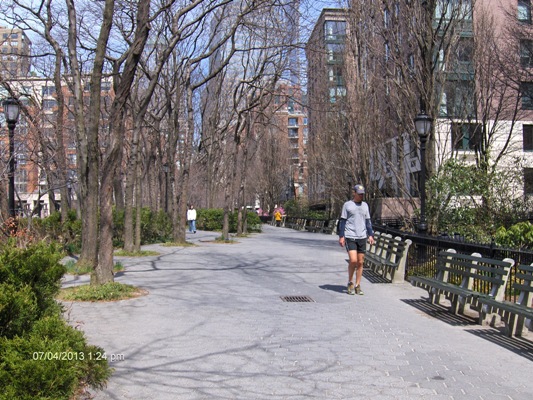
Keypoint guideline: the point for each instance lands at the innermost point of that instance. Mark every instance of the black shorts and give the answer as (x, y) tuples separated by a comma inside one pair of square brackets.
[(358, 245)]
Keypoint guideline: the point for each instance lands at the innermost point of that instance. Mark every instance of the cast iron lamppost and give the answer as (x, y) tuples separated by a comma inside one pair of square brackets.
[(11, 113), (423, 127)]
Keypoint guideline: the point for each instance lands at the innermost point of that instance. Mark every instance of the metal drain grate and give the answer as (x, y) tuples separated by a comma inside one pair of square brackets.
[(297, 299)]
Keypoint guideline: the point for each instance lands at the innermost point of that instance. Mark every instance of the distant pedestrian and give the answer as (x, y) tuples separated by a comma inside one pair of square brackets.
[(191, 219), (355, 228), (277, 217)]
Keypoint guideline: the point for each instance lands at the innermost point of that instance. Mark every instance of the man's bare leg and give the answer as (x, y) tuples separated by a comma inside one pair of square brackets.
[(359, 268)]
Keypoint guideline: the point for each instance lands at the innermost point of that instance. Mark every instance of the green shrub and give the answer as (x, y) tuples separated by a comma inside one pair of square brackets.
[(37, 267), (18, 309), (212, 219), (156, 227), (41, 356), (253, 221), (50, 362), (518, 236), (68, 232)]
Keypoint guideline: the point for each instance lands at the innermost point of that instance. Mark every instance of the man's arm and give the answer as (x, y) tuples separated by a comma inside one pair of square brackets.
[(342, 226), (369, 231)]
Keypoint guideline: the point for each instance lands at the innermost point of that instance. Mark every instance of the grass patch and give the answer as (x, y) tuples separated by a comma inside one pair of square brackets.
[(178, 244), (74, 268), (220, 239), (142, 253), (111, 291)]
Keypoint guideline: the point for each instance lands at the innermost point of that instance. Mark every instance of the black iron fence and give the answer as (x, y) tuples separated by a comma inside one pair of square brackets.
[(423, 252)]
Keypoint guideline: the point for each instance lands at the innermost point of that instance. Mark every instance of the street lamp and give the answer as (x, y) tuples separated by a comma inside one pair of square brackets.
[(11, 113), (423, 127)]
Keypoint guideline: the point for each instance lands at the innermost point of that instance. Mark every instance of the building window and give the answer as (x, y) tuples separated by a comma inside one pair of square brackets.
[(466, 136), (335, 75), (21, 180), (21, 159), (336, 92), (293, 132), (49, 104), (290, 105), (335, 30), (411, 64), (526, 90), (460, 9), (386, 18), (527, 137), (464, 49), (334, 52), (524, 11), (48, 90), (457, 99), (106, 86), (526, 52), (528, 181), (293, 121)]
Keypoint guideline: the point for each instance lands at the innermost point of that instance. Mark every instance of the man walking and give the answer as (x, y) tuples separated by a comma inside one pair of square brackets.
[(355, 228)]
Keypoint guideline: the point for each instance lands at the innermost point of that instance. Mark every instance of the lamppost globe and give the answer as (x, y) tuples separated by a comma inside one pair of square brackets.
[(423, 128), (423, 124), (11, 113), (11, 110)]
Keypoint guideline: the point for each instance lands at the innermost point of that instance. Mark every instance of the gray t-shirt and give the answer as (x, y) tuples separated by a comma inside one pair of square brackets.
[(355, 215)]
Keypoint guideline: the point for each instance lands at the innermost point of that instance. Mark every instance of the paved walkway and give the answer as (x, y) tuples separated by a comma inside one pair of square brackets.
[(213, 326)]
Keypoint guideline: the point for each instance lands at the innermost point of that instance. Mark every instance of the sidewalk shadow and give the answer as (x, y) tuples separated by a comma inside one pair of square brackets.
[(517, 345), (520, 346), (334, 288), (373, 277), (440, 312)]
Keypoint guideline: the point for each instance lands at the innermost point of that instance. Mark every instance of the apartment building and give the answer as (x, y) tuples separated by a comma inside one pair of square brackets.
[(41, 172), (326, 92), (291, 117), (480, 109), (15, 50)]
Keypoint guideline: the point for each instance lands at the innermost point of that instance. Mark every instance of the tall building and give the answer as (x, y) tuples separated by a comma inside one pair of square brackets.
[(292, 115), (326, 91), (15, 49)]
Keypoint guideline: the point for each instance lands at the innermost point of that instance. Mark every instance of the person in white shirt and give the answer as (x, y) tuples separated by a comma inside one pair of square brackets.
[(191, 219)]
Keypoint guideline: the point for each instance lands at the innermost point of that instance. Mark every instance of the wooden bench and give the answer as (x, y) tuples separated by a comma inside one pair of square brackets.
[(297, 223), (290, 222), (514, 314), (388, 256), (331, 227), (314, 225), (465, 279)]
